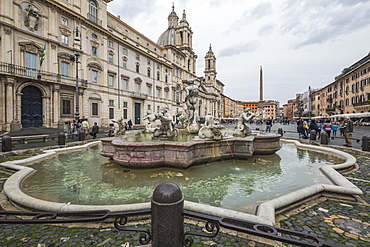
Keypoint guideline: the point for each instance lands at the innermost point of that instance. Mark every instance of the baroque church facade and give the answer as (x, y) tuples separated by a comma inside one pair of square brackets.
[(65, 56)]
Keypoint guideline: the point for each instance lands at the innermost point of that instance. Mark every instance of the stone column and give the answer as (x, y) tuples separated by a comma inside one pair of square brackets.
[(56, 106), (9, 103)]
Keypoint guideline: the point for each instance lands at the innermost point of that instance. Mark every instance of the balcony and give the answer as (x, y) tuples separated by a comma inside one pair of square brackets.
[(34, 74), (363, 103), (138, 95), (330, 109), (94, 19)]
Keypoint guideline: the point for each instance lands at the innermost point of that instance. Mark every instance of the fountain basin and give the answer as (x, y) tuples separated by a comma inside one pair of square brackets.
[(185, 154)]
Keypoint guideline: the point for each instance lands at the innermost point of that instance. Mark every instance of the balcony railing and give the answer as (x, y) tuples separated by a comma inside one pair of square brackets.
[(16, 70), (138, 95), (363, 103), (94, 19)]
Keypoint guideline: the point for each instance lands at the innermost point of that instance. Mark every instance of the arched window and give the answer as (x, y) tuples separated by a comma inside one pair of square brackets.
[(93, 11)]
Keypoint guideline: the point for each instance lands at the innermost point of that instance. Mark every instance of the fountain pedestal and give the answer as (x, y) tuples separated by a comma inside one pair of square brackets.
[(185, 154)]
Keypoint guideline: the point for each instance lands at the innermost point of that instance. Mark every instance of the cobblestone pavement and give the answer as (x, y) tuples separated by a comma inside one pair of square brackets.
[(339, 221)]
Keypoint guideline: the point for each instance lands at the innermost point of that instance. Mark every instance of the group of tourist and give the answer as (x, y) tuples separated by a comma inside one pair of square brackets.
[(346, 129), (82, 126)]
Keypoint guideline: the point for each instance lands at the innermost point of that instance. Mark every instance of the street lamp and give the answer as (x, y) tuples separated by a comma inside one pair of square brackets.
[(75, 59)]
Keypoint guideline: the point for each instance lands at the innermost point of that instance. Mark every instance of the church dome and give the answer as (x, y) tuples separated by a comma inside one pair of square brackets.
[(168, 37)]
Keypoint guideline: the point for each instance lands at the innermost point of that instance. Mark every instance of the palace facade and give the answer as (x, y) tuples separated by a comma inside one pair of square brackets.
[(63, 59)]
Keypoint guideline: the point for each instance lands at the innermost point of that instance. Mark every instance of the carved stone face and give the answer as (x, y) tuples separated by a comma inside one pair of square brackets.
[(31, 20)]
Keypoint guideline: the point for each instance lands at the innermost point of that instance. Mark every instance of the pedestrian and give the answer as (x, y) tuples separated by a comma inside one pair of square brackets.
[(348, 131), (129, 124), (300, 129), (268, 125), (85, 128), (319, 127), (95, 130), (335, 128), (327, 127), (313, 126)]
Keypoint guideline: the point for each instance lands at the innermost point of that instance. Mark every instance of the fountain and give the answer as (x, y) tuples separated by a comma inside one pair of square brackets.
[(213, 143)]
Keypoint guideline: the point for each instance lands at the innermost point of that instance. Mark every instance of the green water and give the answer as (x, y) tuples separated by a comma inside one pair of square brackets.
[(85, 177)]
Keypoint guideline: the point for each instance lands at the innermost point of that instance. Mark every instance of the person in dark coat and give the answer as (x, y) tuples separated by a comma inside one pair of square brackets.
[(95, 130)]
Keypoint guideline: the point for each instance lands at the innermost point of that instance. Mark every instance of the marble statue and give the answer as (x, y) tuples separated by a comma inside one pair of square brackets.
[(211, 129), (261, 114), (192, 104), (242, 129), (183, 120), (150, 127), (119, 127), (165, 129)]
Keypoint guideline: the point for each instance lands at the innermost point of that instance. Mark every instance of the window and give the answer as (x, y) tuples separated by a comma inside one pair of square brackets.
[(125, 104), (138, 87), (94, 109), (137, 68), (64, 69), (166, 79), (64, 21), (148, 71), (94, 77), (125, 84), (149, 107), (31, 64), (111, 113), (93, 11), (66, 107), (124, 51), (110, 58), (110, 43), (137, 57), (124, 113), (158, 78), (94, 51), (64, 39), (149, 89), (111, 81), (124, 62), (148, 62), (166, 94), (111, 102), (158, 92)]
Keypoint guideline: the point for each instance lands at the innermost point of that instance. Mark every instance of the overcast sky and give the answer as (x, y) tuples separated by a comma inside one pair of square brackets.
[(298, 43)]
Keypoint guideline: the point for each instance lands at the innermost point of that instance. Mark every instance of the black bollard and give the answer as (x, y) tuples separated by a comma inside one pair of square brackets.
[(324, 139), (280, 131), (61, 139), (167, 218), (313, 135), (365, 143), (6, 144), (81, 136)]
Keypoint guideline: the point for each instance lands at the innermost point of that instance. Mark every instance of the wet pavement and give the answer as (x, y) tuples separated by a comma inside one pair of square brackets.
[(336, 221)]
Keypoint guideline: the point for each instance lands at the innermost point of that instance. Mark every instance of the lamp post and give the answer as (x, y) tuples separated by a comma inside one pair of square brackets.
[(309, 103), (75, 59)]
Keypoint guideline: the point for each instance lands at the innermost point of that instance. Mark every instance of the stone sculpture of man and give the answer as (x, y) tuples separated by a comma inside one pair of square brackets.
[(192, 103), (151, 118), (243, 128)]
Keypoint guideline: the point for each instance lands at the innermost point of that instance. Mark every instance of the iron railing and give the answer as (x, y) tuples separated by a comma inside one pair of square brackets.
[(212, 225), (21, 71)]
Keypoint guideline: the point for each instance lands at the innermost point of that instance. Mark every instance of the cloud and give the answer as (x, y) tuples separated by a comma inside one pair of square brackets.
[(266, 29), (318, 21), (261, 10), (238, 49)]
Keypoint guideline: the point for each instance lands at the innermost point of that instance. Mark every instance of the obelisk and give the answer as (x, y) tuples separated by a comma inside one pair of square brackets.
[(261, 84)]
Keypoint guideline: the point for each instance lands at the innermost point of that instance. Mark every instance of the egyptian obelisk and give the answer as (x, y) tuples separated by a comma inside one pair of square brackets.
[(261, 85)]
